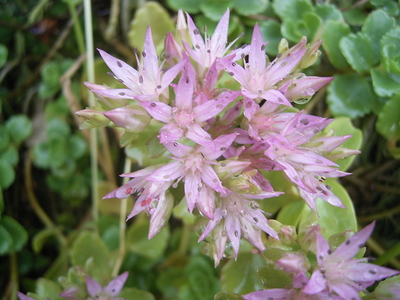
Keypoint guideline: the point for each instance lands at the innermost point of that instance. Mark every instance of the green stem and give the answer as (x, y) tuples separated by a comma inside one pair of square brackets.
[(184, 243), (14, 276), (91, 78), (122, 223), (388, 255), (77, 28)]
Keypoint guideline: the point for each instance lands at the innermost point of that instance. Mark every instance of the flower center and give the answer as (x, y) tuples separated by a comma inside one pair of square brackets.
[(183, 119)]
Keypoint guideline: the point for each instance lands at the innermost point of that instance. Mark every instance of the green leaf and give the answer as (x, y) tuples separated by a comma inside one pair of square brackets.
[(58, 153), (354, 17), (295, 29), (357, 48), (1, 203), (272, 278), (215, 9), (134, 293), (377, 24), (332, 218), (271, 32), (46, 288), (139, 243), (385, 84), (328, 12), (154, 15), (3, 54), (227, 296), (290, 214), (16, 231), (189, 6), (292, 9), (389, 6), (343, 126), (390, 49), (19, 128), (7, 174), (333, 32), (41, 154), (4, 137), (77, 146), (6, 241), (57, 128), (388, 123), (88, 245), (250, 7), (350, 95), (240, 276), (10, 154)]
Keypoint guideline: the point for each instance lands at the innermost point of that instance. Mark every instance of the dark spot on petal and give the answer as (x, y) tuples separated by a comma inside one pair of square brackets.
[(153, 105), (197, 46), (329, 251), (304, 121), (233, 64), (196, 31), (222, 148), (237, 108), (223, 165), (121, 93), (318, 161), (255, 219), (140, 79), (284, 64), (144, 54), (263, 47), (236, 233), (280, 99), (175, 144), (347, 242), (208, 51), (159, 86), (372, 271), (231, 73), (119, 64)]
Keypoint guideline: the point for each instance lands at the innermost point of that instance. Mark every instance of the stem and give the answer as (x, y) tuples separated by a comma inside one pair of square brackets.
[(77, 28), (35, 204), (113, 21), (183, 246), (388, 255), (122, 223), (388, 213), (91, 78), (14, 276), (380, 251)]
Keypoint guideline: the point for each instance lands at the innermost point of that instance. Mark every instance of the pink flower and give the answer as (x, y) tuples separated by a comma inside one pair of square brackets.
[(149, 83), (235, 217), (339, 272), (184, 118), (112, 289), (258, 80)]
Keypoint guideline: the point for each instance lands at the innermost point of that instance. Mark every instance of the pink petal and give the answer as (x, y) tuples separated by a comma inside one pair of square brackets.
[(257, 57), (150, 58), (199, 136), (170, 133), (192, 187), (221, 144), (93, 286), (316, 284), (220, 35), (168, 172), (158, 110), (177, 149), (115, 286), (184, 89), (210, 178)]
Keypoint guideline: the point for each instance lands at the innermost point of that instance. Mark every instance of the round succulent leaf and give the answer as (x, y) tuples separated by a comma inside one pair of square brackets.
[(292, 9), (150, 14), (19, 128), (388, 123), (4, 137), (134, 293), (357, 49), (10, 154), (214, 9), (272, 278), (350, 95), (6, 241), (77, 146), (295, 29), (333, 32), (189, 6), (250, 7), (355, 17), (377, 24), (41, 155), (332, 218), (3, 54), (139, 243), (50, 74), (170, 281), (17, 232), (57, 128), (240, 276), (58, 108), (390, 50), (58, 152), (7, 174), (328, 12), (271, 32), (385, 84), (49, 289), (389, 6), (224, 295), (89, 245), (344, 126), (290, 214)]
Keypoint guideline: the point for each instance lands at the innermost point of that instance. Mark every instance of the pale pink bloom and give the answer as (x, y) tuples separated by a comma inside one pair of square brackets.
[(183, 118), (112, 289), (340, 272), (194, 166), (259, 80), (149, 83), (133, 118), (237, 217), (151, 197)]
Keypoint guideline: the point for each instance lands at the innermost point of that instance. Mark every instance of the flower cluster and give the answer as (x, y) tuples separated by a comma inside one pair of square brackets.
[(220, 141), (336, 273)]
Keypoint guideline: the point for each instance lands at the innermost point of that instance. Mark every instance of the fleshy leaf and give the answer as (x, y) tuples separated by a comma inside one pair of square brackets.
[(16, 231), (385, 84), (292, 9), (250, 7), (332, 34), (357, 48), (350, 95), (46, 288), (388, 123), (19, 128), (390, 50), (271, 32), (189, 6), (215, 9), (232, 278)]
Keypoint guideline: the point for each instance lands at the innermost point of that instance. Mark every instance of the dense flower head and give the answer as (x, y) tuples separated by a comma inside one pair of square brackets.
[(216, 142)]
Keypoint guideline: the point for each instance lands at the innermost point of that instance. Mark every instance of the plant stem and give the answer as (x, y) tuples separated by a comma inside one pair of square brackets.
[(14, 276), (389, 255), (77, 28), (122, 223), (93, 132), (183, 246)]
